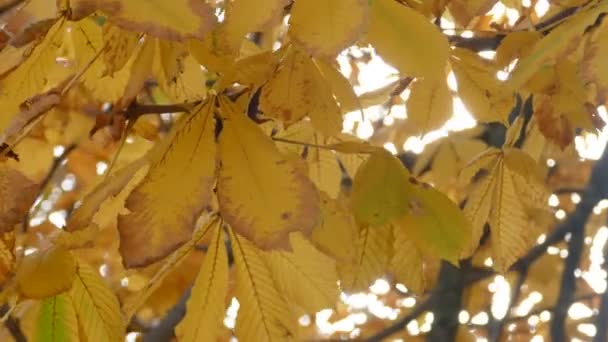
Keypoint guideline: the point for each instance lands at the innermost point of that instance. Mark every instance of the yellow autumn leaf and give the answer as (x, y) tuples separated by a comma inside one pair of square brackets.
[(406, 263), (188, 85), (177, 188), (340, 86), (298, 89), (324, 169), (448, 156), (552, 123), (477, 211), (509, 222), (252, 71), (264, 315), (140, 71), (483, 94), (57, 320), (529, 178), (207, 303), (327, 27), (464, 10), (176, 20), (111, 186), (396, 31), (434, 223), (120, 45), (132, 304), (379, 190), (515, 45), (593, 66), (373, 252), (87, 39), (244, 16), (511, 189), (37, 72), (13, 56), (554, 43), (261, 194), (213, 51), (45, 273), (337, 231), (305, 276), (96, 306), (178, 74), (429, 105), (169, 58)]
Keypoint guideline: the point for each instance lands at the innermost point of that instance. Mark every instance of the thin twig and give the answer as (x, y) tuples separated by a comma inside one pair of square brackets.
[(57, 162), (396, 327), (137, 109), (496, 329), (12, 325)]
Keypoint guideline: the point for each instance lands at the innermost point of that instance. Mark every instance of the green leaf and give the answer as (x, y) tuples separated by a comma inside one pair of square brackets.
[(435, 224), (57, 320), (379, 189)]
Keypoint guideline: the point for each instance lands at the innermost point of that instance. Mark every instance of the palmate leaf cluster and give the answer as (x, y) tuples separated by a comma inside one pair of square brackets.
[(221, 123)]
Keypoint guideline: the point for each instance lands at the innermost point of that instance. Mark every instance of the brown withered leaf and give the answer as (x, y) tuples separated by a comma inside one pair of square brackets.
[(178, 187), (173, 20), (17, 194)]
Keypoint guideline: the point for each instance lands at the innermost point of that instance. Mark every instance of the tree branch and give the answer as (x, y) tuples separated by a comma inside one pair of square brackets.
[(601, 321), (396, 327), (496, 329), (596, 190), (137, 109), (449, 289)]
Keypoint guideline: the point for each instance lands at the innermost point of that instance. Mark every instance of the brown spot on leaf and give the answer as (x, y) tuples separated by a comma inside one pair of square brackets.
[(415, 207), (285, 215)]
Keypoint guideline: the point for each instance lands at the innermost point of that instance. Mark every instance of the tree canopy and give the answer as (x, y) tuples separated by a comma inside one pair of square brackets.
[(277, 170)]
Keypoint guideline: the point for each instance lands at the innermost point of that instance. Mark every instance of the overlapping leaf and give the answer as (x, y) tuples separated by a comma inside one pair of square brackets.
[(57, 320), (406, 263), (429, 105), (264, 314), (96, 306), (374, 250), (17, 194), (305, 276), (396, 31), (244, 16), (337, 232), (505, 198), (261, 194), (484, 95), (556, 42), (176, 20), (327, 27), (206, 306), (45, 273), (298, 89), (131, 305), (178, 186), (380, 190)]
